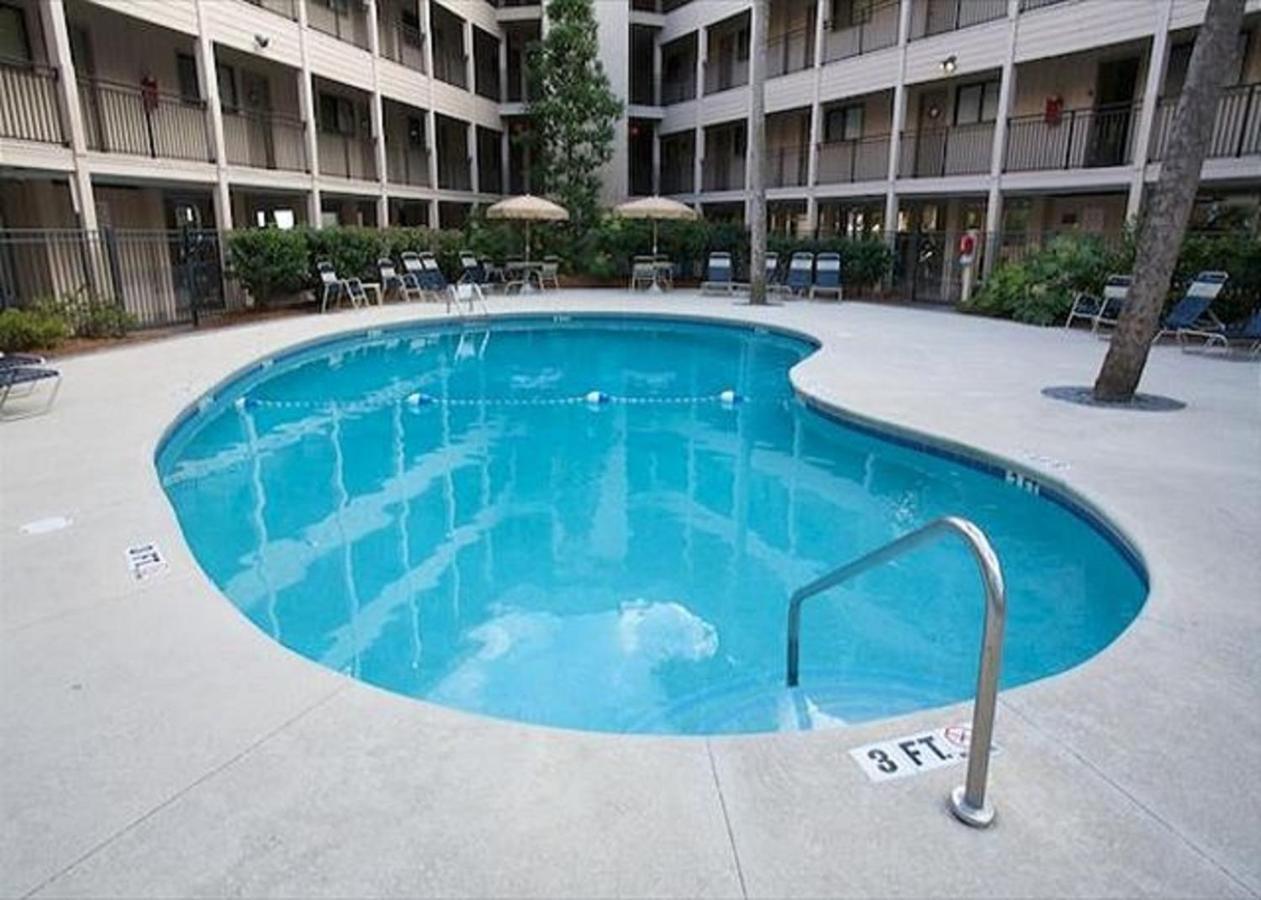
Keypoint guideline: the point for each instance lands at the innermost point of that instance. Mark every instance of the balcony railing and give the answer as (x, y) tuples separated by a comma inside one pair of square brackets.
[(1074, 139), (844, 162), (1236, 129), (726, 174), (790, 52), (28, 103), (407, 164), (678, 91), (454, 172), (450, 66), (678, 176), (787, 166), (346, 156), (938, 152), (123, 119), (286, 8), (1030, 5), (725, 74), (265, 140), (941, 16), (350, 26), (876, 32), (403, 43)]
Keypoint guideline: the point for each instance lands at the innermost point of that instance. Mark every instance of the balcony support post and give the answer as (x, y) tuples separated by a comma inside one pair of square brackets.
[(376, 112), (898, 125), (53, 15), (702, 55), (811, 223), (1156, 62), (998, 150), (306, 98), (470, 144), (214, 122)]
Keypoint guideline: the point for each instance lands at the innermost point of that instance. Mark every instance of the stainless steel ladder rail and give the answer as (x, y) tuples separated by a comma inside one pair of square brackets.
[(967, 801)]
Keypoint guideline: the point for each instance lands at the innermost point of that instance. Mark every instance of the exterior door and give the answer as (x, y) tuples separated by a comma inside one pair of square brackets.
[(256, 100), (930, 144), (1115, 84)]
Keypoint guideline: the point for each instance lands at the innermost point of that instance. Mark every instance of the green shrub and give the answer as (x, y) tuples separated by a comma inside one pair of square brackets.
[(87, 315), (22, 330), (1239, 254), (269, 261), (353, 251)]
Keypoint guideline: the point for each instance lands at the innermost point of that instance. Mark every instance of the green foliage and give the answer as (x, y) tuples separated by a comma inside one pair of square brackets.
[(573, 110), (353, 250), (87, 315), (269, 261), (22, 330), (1238, 253)]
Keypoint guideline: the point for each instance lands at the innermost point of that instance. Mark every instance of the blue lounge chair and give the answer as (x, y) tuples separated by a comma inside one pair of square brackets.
[(27, 377), (394, 283), (432, 279), (1105, 309), (801, 272), (471, 268), (1191, 315), (718, 273), (331, 286), (774, 281), (827, 275), (1247, 332)]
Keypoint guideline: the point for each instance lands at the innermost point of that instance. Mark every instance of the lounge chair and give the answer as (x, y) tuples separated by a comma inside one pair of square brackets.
[(718, 273), (665, 271), (471, 268), (394, 283), (1247, 333), (413, 268), (1191, 316), (549, 273), (27, 377), (800, 272), (827, 275), (1103, 310), (773, 280), (432, 280), (357, 293), (643, 273), (9, 360), (331, 286)]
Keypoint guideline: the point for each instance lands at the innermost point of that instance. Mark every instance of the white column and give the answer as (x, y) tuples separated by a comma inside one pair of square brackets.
[(53, 14), (899, 123), (431, 138), (503, 66), (470, 65), (214, 111), (998, 151), (376, 111), (306, 97), (475, 177), (505, 158), (1147, 113), (811, 223), (702, 56)]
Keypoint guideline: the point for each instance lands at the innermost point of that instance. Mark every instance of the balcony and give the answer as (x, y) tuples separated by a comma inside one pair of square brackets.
[(677, 173), (1236, 128), (403, 43), (28, 103), (265, 140), (407, 164), (787, 166), (942, 16), (1030, 5), (347, 156), (450, 65), (1072, 139), (875, 30), (790, 52), (723, 173), (450, 56), (725, 74), (678, 70), (342, 19), (286, 8), (846, 162), (119, 118), (942, 152)]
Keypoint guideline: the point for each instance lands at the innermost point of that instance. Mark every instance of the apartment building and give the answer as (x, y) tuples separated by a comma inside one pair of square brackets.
[(915, 116)]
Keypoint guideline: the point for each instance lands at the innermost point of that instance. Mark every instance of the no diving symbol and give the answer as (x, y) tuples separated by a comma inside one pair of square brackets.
[(959, 737)]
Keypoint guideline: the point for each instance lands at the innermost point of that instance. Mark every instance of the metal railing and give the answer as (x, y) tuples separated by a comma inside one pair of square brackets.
[(406, 164), (723, 175), (876, 32), (454, 171), (678, 91), (265, 140), (123, 119), (1236, 128), (942, 16), (792, 51), (160, 277), (678, 174), (286, 8), (1073, 139), (865, 159), (346, 156), (402, 43), (787, 166), (350, 26), (450, 66), (937, 152), (967, 801), (1030, 5), (725, 74), (28, 102)]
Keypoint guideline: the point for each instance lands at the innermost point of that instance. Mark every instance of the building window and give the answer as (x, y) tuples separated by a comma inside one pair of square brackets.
[(843, 123), (337, 115), (226, 77), (416, 132), (186, 73), (976, 103), (15, 44), (851, 13)]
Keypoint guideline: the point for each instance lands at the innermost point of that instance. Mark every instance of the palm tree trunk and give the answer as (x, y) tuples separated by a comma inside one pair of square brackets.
[(757, 154), (1171, 200)]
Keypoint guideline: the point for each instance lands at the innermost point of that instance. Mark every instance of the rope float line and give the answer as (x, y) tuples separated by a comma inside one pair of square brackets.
[(728, 398)]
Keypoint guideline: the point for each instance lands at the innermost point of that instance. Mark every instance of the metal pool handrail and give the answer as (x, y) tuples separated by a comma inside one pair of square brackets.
[(967, 801)]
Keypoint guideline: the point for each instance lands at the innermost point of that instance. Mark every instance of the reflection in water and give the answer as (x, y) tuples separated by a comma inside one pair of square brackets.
[(622, 566)]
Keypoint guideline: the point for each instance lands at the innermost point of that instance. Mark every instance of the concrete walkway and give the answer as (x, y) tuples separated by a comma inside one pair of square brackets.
[(154, 743)]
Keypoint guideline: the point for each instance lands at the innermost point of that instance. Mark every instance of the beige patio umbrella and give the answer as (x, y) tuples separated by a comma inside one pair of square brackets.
[(528, 208), (656, 209)]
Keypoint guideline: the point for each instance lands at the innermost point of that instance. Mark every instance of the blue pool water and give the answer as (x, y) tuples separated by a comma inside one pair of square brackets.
[(439, 512)]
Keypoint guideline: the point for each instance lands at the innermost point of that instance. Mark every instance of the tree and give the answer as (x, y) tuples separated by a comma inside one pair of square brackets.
[(1162, 229), (572, 109), (757, 154)]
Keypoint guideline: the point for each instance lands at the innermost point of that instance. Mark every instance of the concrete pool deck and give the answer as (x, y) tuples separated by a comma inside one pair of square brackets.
[(155, 743)]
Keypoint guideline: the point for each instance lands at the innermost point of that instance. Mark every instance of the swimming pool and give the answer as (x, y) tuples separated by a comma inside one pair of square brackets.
[(572, 522)]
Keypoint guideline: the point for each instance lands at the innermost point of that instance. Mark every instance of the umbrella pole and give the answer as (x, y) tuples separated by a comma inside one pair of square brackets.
[(654, 237), (527, 240)]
